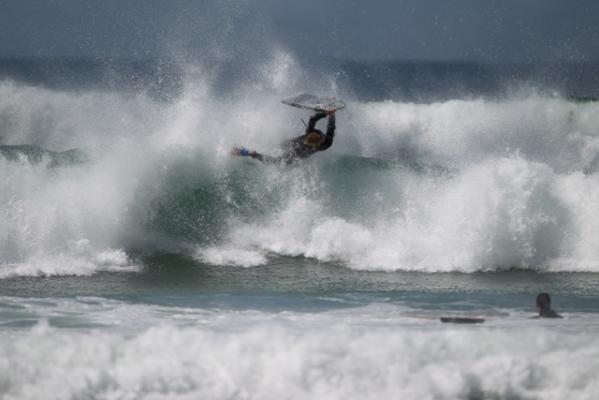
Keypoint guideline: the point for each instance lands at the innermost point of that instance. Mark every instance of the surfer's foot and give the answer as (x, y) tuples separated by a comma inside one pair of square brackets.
[(240, 151)]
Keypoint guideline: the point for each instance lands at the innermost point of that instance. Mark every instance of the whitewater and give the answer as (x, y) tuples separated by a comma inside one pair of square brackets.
[(139, 260)]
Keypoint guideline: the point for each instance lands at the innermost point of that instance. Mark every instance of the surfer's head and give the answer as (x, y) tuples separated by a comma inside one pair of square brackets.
[(543, 301), (314, 139)]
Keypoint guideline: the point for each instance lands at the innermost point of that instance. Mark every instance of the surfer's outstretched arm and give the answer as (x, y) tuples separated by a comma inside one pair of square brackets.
[(286, 159)]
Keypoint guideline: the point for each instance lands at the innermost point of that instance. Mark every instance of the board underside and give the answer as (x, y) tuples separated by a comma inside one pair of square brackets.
[(310, 102)]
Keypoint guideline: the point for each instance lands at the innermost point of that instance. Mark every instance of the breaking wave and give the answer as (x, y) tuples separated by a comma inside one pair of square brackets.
[(460, 185)]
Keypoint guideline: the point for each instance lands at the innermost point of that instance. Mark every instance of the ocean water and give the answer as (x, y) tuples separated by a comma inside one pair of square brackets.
[(138, 260)]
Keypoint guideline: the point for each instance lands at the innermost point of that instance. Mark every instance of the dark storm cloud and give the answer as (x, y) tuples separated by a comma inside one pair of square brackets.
[(469, 30)]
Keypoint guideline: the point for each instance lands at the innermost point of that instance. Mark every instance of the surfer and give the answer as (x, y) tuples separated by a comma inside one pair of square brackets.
[(301, 147), (544, 307)]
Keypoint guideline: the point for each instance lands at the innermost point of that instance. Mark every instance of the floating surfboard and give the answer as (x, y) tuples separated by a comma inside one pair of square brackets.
[(310, 102), (462, 320)]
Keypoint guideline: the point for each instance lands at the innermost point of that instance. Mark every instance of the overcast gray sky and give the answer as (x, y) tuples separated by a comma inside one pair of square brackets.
[(458, 30)]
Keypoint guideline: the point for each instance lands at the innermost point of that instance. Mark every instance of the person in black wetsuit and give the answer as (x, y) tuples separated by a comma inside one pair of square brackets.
[(544, 307), (312, 141)]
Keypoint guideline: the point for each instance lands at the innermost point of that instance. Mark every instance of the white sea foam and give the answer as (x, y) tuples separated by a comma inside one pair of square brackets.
[(61, 221), (333, 355), (499, 213)]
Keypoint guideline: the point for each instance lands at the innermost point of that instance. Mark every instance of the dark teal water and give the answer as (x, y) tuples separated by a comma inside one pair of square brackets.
[(298, 284)]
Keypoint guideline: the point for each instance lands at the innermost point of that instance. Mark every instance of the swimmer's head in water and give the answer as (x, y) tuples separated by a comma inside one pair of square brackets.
[(314, 139), (543, 301)]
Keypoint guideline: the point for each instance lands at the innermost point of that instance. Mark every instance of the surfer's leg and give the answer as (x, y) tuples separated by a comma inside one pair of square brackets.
[(240, 151)]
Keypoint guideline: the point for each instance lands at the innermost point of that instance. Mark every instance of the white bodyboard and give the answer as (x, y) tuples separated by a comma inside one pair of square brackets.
[(310, 102)]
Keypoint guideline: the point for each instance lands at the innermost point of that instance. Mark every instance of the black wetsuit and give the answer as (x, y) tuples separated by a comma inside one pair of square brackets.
[(296, 149)]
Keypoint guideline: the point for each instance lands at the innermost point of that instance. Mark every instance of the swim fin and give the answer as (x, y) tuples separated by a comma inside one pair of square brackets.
[(240, 151)]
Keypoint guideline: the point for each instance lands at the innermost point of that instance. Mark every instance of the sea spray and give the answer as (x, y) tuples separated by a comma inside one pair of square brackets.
[(460, 185)]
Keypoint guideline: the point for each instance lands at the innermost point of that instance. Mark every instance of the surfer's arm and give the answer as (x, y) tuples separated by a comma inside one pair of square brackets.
[(268, 159), (328, 140), (313, 120)]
